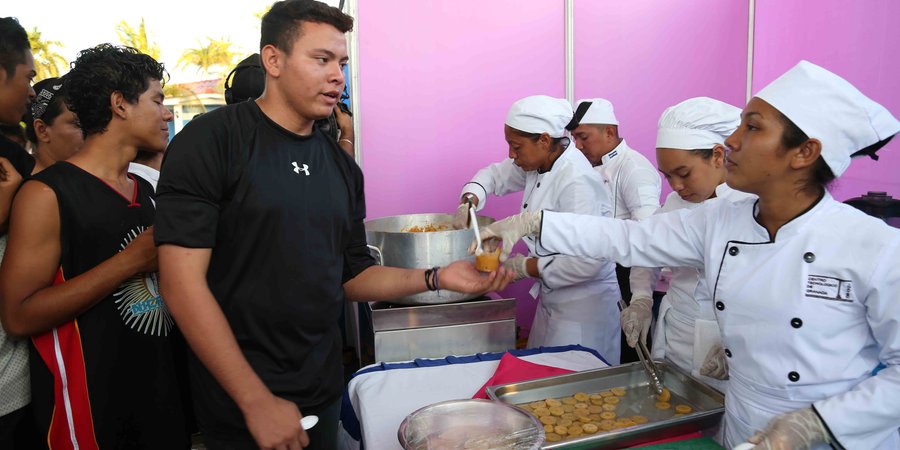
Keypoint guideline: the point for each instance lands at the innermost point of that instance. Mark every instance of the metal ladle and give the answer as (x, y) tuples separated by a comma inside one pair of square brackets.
[(474, 223)]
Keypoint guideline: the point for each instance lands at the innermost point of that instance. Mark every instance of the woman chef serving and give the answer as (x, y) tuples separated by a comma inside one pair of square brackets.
[(690, 154), (578, 295), (806, 289)]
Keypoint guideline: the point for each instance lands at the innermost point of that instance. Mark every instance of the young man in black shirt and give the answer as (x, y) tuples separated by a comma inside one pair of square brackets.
[(17, 428), (261, 236), (16, 75)]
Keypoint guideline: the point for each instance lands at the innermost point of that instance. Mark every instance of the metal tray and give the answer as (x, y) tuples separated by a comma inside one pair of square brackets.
[(708, 404)]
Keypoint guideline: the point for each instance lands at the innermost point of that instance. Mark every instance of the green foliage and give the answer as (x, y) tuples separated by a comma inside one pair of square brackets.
[(47, 62), (215, 53), (137, 38)]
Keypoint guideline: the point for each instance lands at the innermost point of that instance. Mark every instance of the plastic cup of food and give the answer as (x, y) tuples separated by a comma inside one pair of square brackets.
[(489, 259)]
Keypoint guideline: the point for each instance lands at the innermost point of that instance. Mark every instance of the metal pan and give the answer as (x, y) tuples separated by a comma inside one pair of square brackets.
[(707, 404)]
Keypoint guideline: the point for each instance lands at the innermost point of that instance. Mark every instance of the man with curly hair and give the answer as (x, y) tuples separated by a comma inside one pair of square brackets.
[(80, 270)]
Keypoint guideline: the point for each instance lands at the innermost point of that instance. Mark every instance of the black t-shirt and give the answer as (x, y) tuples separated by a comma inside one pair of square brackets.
[(109, 375), (283, 215), (20, 159)]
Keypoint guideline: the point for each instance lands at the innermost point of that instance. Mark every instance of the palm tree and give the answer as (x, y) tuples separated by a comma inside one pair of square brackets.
[(47, 63), (216, 53), (137, 38), (259, 15)]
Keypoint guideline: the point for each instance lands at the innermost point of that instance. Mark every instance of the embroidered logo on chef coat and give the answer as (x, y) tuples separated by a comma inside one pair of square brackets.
[(298, 169), (829, 288)]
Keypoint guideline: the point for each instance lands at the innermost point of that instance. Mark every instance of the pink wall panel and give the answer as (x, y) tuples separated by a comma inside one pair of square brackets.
[(436, 80), (647, 55), (856, 40)]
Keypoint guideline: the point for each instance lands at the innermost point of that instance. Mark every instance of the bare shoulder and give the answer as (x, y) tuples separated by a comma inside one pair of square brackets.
[(35, 211)]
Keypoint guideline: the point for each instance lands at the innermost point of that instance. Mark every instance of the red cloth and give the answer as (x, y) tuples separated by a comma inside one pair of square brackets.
[(513, 370), (683, 437)]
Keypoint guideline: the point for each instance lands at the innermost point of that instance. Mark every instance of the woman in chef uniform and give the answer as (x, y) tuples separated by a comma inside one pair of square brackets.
[(691, 155), (806, 289), (578, 295)]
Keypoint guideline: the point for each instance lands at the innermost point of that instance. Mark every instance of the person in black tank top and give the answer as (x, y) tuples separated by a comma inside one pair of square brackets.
[(261, 241), (79, 276)]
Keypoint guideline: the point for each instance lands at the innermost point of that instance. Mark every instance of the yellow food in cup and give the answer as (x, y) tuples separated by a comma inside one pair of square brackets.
[(488, 260)]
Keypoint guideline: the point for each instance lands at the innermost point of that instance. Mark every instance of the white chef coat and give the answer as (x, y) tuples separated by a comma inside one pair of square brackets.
[(805, 317), (634, 182), (577, 295), (686, 326)]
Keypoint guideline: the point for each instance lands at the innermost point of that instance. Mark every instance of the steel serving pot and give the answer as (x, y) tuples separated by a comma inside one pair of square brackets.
[(394, 246)]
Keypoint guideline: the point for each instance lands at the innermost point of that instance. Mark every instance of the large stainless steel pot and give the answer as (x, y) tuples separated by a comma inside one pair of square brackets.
[(398, 248)]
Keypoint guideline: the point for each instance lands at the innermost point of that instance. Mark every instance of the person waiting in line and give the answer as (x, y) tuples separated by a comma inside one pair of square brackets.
[(690, 153), (806, 289), (79, 275), (16, 75), (51, 127), (578, 296), (146, 165), (17, 428), (247, 81), (261, 241)]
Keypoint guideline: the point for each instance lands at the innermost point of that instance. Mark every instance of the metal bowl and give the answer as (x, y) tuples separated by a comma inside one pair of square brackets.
[(395, 247), (470, 424)]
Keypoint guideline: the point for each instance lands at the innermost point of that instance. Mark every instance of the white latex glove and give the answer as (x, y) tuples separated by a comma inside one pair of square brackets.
[(715, 365), (510, 230), (796, 430), (461, 218), (517, 265), (636, 320)]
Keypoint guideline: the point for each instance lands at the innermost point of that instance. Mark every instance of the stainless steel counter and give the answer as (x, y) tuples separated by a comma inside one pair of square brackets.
[(390, 332)]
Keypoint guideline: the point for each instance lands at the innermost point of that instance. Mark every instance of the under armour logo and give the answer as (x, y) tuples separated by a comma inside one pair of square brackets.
[(298, 169)]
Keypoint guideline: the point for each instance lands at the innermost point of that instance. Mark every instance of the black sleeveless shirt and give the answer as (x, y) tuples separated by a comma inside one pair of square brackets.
[(107, 378)]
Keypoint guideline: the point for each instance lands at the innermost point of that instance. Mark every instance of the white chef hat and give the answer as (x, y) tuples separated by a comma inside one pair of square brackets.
[(830, 109), (697, 123), (540, 114), (597, 111)]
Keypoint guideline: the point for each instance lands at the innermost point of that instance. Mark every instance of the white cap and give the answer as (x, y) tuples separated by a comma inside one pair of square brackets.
[(697, 123), (828, 108), (540, 114), (600, 112)]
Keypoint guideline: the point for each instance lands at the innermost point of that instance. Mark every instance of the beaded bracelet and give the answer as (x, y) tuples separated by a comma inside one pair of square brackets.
[(428, 284)]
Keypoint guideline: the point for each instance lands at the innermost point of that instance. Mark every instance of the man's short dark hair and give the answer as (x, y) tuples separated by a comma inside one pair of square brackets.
[(13, 45), (102, 70), (281, 25)]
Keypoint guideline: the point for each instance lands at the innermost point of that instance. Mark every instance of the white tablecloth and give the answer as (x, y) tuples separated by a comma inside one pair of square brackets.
[(377, 401)]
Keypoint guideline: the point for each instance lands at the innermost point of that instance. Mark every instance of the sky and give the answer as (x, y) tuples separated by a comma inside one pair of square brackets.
[(173, 25)]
